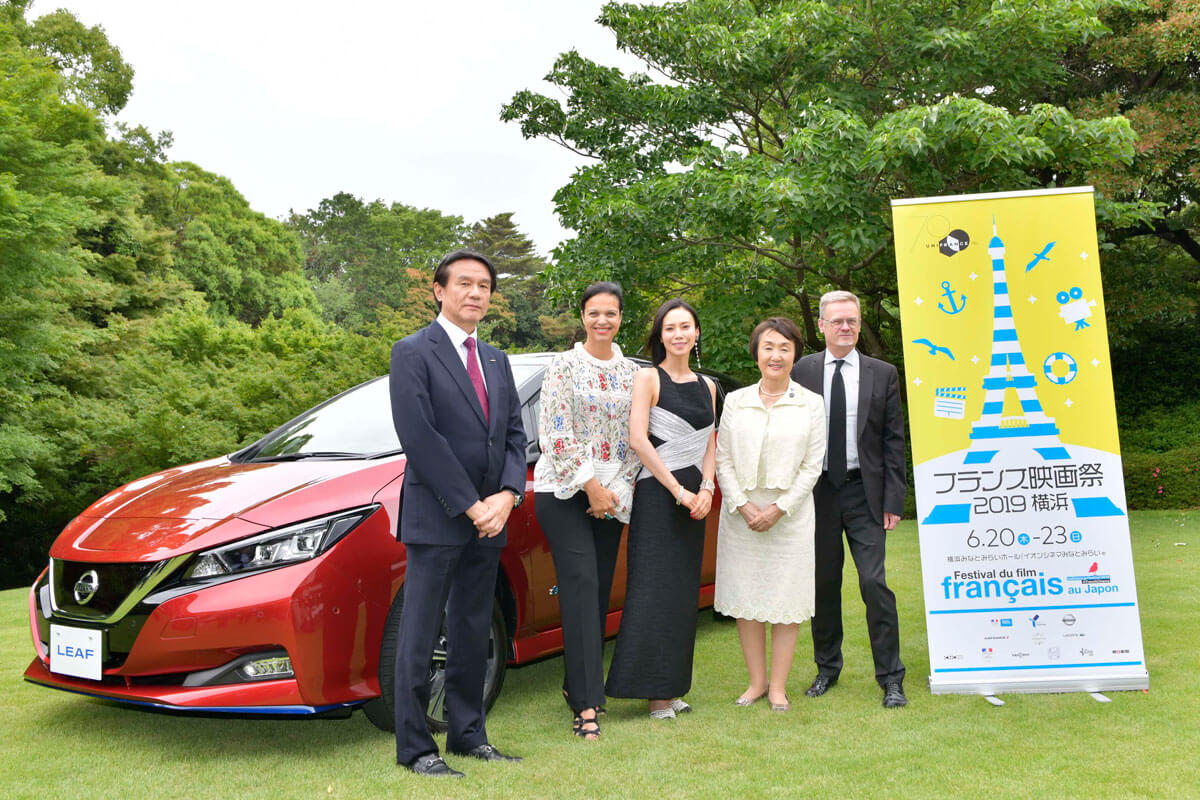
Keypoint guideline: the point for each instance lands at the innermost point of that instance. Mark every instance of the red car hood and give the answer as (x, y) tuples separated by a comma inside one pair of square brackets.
[(209, 503)]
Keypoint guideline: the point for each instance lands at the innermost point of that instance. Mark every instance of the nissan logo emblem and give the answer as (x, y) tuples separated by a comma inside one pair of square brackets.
[(86, 586)]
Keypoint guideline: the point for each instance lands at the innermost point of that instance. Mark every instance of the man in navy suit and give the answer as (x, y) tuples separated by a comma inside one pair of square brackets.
[(861, 492), (458, 416)]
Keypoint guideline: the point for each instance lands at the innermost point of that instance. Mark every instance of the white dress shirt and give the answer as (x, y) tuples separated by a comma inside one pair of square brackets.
[(458, 337), (850, 379)]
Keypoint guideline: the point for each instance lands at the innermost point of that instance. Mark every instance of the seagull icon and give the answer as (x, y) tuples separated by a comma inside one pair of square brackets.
[(1040, 256), (933, 348)]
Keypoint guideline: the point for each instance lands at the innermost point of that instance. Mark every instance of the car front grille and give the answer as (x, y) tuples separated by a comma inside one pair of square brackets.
[(114, 583)]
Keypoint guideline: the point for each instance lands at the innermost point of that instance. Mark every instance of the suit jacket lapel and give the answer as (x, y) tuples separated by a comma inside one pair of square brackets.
[(443, 348), (812, 375), (866, 382)]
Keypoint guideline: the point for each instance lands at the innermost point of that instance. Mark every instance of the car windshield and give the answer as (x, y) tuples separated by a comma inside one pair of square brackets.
[(358, 424)]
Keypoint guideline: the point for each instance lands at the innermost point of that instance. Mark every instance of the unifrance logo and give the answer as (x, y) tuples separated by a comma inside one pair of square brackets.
[(954, 242), (1005, 583), (1093, 582)]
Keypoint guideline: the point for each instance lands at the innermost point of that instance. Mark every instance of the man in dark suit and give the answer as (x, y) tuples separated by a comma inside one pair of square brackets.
[(861, 492), (458, 416)]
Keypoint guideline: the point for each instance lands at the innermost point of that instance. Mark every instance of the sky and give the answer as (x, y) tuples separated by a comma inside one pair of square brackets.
[(400, 101)]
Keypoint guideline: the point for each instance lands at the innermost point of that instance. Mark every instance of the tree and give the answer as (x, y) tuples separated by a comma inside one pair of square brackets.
[(1148, 70), (91, 68), (95, 232), (50, 192), (248, 266), (761, 148), (358, 254), (534, 323)]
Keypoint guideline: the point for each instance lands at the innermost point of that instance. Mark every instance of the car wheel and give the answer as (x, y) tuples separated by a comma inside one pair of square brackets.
[(381, 710)]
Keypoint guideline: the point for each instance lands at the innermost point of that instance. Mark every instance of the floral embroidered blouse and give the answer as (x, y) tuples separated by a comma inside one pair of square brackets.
[(583, 426)]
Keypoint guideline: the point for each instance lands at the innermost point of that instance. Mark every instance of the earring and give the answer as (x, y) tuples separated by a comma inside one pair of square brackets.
[(697, 349)]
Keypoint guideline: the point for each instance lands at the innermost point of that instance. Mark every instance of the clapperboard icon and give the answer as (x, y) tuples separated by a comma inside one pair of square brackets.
[(950, 402)]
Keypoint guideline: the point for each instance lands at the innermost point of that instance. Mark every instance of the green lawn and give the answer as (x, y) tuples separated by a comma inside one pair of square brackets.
[(845, 744)]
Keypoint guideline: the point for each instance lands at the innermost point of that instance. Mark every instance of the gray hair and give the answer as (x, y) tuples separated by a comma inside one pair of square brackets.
[(839, 296)]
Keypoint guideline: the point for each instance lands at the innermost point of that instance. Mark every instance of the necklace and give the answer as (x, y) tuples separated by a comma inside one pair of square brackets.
[(765, 393)]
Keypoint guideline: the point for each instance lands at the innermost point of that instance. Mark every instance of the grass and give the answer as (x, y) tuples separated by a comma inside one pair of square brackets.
[(845, 745)]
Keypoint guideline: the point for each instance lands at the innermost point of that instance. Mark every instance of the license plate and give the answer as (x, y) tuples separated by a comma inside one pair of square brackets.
[(76, 651)]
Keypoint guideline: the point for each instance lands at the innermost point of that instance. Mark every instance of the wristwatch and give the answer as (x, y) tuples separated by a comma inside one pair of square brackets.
[(518, 498), (707, 484)]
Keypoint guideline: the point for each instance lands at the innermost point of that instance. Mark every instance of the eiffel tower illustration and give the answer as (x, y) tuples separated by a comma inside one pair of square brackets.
[(1031, 428)]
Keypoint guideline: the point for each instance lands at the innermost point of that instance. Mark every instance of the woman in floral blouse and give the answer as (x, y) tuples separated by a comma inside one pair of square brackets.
[(583, 486)]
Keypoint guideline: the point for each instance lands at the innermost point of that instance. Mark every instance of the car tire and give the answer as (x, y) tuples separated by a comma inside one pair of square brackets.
[(381, 710)]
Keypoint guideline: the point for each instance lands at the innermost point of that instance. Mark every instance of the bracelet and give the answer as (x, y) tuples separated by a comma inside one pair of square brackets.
[(679, 497), (707, 484)]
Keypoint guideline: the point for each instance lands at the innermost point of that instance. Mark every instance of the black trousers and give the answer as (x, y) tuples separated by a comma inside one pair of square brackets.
[(839, 510), (460, 579), (584, 550)]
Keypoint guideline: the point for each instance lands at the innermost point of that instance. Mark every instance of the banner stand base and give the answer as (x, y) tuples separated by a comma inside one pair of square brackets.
[(1092, 684)]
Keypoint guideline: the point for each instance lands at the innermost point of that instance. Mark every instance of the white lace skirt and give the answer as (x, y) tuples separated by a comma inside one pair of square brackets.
[(767, 577)]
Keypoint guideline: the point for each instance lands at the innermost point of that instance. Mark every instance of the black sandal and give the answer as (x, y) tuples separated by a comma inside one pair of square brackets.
[(585, 728)]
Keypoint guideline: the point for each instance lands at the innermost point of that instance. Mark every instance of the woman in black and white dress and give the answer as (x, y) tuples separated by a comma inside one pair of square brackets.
[(671, 429)]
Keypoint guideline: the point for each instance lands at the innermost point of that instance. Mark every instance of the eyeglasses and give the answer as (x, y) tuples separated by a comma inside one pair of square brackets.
[(849, 322)]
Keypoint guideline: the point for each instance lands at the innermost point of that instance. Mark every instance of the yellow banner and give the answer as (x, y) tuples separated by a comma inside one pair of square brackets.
[(1052, 276), (1025, 556)]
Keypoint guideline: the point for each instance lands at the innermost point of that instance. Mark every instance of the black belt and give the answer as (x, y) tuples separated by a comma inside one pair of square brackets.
[(851, 474)]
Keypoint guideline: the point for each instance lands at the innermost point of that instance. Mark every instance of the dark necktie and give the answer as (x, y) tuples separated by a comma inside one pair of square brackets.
[(836, 447), (481, 390)]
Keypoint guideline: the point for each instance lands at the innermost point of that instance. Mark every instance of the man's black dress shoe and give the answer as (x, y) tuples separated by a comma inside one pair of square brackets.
[(432, 764), (485, 752), (820, 685), (893, 696)]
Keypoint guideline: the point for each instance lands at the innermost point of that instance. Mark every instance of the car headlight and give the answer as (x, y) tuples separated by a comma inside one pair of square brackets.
[(279, 547)]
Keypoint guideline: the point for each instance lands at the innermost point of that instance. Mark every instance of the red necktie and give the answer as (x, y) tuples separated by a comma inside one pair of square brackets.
[(476, 376)]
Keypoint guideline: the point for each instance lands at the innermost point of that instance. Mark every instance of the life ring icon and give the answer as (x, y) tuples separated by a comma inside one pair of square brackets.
[(1054, 377)]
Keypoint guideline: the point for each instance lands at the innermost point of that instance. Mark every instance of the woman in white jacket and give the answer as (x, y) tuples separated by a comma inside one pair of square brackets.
[(770, 446)]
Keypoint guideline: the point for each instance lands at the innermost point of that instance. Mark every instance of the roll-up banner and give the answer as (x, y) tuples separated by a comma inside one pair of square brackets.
[(1024, 530)]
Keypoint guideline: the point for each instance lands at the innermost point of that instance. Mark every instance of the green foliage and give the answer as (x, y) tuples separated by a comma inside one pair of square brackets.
[(247, 265), (1154, 429), (768, 151), (93, 72), (122, 280), (1163, 480), (50, 194), (526, 321), (358, 255)]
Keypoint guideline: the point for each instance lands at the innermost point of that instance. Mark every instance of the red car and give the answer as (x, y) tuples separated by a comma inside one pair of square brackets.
[(270, 581)]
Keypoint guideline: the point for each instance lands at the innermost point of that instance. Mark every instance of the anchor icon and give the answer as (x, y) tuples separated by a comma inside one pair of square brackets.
[(949, 295)]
